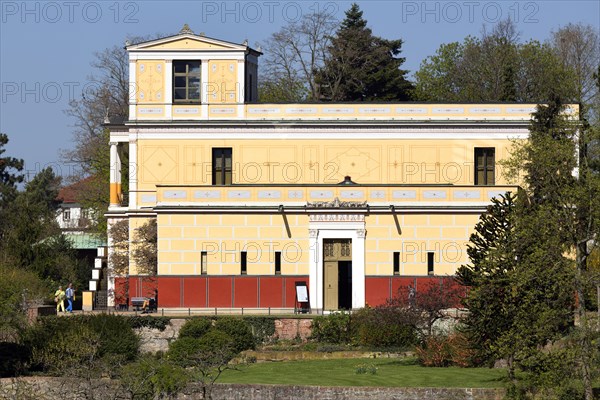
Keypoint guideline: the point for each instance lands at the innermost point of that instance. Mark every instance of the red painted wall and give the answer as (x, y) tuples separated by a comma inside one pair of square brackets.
[(255, 291)]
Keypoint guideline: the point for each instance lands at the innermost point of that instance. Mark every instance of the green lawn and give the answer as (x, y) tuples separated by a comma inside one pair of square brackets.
[(341, 372)]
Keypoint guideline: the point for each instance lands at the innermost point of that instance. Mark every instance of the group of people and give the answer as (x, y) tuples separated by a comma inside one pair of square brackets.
[(59, 298)]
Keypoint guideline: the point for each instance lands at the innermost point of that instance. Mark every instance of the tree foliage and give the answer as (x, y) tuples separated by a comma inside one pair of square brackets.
[(362, 67), (293, 56), (492, 68)]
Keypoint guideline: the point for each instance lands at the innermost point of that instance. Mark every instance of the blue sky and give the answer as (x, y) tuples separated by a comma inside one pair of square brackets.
[(46, 46)]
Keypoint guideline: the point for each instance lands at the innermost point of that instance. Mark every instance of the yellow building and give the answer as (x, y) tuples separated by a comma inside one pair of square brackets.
[(353, 199)]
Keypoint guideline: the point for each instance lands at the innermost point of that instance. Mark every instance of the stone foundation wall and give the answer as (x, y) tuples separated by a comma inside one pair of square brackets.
[(42, 388), (153, 340)]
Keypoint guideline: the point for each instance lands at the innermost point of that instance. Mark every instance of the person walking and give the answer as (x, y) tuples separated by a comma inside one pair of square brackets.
[(59, 299), (70, 293)]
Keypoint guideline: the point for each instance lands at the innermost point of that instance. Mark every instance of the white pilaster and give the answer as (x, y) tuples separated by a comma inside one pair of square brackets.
[(133, 176), (168, 99), (132, 91)]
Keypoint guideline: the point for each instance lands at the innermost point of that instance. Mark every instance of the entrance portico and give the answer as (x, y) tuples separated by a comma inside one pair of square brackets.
[(348, 227)]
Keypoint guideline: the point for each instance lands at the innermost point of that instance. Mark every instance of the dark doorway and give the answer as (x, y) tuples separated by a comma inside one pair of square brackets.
[(337, 271), (345, 285)]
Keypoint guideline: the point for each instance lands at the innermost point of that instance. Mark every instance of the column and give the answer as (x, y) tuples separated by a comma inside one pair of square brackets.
[(115, 175), (358, 268), (315, 286), (133, 165)]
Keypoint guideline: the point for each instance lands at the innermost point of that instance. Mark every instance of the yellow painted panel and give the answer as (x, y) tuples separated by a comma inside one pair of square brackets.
[(170, 257), (379, 232), (209, 219), (275, 232), (159, 164), (221, 232), (222, 81), (415, 220), (195, 170), (380, 256), (194, 232), (182, 220), (244, 232), (169, 232), (454, 233), (441, 219), (150, 81), (413, 269), (183, 269), (189, 44), (230, 269), (258, 220), (191, 257), (389, 245), (229, 219), (395, 163), (466, 219), (428, 233), (183, 244)]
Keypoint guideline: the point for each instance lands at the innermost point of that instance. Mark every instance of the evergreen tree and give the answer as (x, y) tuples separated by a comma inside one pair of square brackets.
[(361, 66)]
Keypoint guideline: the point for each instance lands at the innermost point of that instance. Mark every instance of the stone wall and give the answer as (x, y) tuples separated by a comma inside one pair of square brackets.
[(42, 388), (154, 340)]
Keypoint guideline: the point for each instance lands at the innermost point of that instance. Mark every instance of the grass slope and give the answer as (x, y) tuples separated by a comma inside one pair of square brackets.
[(390, 373)]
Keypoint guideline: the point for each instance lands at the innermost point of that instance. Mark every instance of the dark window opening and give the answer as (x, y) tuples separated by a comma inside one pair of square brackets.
[(221, 166), (244, 263), (396, 263), (485, 165), (277, 263), (203, 266), (186, 81), (430, 261)]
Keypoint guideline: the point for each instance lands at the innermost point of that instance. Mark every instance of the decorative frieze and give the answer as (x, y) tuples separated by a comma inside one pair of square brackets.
[(336, 218)]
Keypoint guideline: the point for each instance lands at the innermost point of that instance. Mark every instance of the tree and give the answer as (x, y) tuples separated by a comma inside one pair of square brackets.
[(293, 55), (578, 47), (107, 97), (494, 67), (207, 356), (561, 217), (119, 258), (362, 67), (491, 252), (10, 176)]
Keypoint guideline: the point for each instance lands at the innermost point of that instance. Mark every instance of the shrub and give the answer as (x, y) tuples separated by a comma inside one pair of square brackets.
[(263, 328), (382, 327), (116, 340), (212, 349), (13, 359), (151, 378), (333, 328), (239, 332), (195, 327), (146, 321), (365, 368), (443, 351), (117, 337)]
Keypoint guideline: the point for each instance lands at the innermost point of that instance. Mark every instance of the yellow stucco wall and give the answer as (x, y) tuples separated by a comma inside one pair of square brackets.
[(183, 237), (188, 162)]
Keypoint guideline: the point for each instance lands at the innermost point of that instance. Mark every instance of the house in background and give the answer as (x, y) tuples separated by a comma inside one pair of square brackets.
[(75, 223), (351, 201)]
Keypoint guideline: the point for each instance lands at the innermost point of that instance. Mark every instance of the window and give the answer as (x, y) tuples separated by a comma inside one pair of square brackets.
[(66, 214), (430, 260), (221, 166), (485, 165), (396, 263), (244, 263), (186, 81), (277, 263), (203, 265)]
